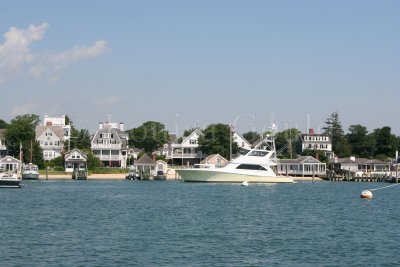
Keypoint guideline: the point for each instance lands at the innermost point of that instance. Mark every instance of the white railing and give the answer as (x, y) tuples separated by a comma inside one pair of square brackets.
[(108, 157), (106, 146), (186, 155)]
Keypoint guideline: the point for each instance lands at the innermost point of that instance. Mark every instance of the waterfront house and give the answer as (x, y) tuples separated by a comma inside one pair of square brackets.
[(51, 140), (75, 159), (145, 166), (302, 166), (110, 144), (354, 164), (9, 163), (215, 159), (3, 148), (186, 152), (59, 121), (320, 142), (241, 141)]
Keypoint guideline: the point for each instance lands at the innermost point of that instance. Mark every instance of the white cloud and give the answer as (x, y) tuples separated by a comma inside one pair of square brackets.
[(23, 109), (63, 59), (15, 51), (16, 57), (108, 101)]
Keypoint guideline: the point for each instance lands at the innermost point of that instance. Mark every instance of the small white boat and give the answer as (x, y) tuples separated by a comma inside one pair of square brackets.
[(9, 179), (253, 166), (30, 172)]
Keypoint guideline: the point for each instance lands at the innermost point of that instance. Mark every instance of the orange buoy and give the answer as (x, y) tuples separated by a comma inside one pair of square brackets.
[(366, 194)]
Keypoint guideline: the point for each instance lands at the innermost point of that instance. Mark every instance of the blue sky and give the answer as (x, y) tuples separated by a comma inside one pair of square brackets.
[(191, 63)]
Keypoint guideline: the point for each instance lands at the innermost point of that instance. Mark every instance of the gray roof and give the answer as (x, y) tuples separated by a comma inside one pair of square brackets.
[(363, 161), (119, 136), (145, 160), (9, 159), (57, 130), (73, 150), (208, 158)]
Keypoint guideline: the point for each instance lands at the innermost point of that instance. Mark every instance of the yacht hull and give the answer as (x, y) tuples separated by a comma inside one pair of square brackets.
[(10, 183), (30, 176), (215, 176)]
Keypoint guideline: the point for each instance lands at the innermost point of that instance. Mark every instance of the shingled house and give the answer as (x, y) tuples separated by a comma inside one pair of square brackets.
[(110, 144)]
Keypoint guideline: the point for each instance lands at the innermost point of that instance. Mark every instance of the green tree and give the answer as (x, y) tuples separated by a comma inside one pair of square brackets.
[(216, 140), (334, 129), (386, 142), (3, 124), (288, 143), (359, 141), (150, 136), (21, 131), (79, 138), (251, 137)]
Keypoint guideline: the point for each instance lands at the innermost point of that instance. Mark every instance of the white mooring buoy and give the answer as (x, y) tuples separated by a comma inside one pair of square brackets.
[(245, 183), (366, 194)]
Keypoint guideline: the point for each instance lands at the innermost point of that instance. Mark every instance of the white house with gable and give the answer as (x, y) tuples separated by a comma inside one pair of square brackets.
[(51, 140), (187, 151), (241, 141), (110, 144), (314, 141)]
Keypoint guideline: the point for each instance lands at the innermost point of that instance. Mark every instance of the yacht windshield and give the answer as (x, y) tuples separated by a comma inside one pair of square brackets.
[(243, 151), (258, 153), (251, 167)]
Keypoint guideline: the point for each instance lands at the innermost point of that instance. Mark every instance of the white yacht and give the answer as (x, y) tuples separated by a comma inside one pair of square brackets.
[(30, 172), (253, 166), (9, 179)]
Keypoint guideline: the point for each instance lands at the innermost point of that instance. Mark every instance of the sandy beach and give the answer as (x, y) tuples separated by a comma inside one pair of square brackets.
[(121, 176)]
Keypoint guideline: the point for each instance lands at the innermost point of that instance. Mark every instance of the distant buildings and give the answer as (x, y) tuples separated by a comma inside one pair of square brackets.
[(52, 136), (3, 148), (302, 166), (354, 164), (110, 144), (314, 141), (186, 152)]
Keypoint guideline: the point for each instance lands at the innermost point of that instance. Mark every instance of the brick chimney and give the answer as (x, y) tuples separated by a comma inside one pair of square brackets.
[(311, 131)]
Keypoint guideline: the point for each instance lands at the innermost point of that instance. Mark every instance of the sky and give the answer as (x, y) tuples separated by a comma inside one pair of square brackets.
[(191, 63)]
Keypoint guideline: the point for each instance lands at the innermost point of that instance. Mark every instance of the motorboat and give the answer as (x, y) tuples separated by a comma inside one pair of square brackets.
[(9, 179), (252, 166), (30, 172)]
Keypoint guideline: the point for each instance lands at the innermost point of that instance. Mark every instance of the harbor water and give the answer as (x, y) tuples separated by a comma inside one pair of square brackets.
[(165, 223)]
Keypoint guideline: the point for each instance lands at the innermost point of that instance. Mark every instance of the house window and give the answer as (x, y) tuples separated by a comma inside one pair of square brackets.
[(192, 141)]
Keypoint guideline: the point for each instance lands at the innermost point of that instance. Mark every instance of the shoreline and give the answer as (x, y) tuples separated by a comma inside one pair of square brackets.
[(121, 176)]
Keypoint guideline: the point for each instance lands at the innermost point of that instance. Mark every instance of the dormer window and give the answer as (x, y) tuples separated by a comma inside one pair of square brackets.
[(193, 141)]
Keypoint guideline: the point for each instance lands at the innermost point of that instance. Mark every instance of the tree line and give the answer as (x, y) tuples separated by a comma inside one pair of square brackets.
[(152, 136)]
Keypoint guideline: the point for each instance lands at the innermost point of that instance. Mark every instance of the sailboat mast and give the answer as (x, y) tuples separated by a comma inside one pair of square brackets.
[(31, 153)]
